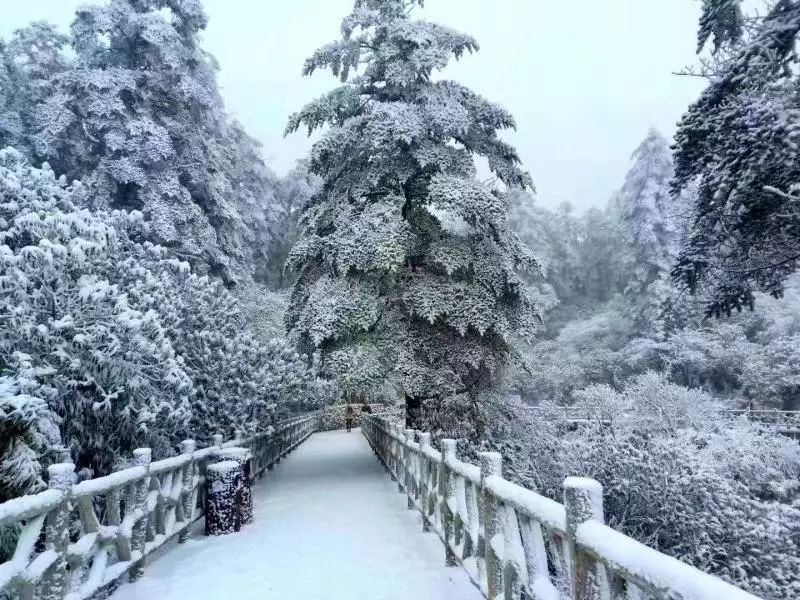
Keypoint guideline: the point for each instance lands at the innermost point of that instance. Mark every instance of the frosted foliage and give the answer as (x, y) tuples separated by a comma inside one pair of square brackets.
[(721, 22), (407, 267), (738, 144), (678, 475), (105, 364), (650, 401), (28, 62), (124, 344), (28, 429), (651, 230), (135, 114)]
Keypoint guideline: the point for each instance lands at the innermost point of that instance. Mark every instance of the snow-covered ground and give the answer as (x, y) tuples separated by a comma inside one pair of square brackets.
[(329, 523)]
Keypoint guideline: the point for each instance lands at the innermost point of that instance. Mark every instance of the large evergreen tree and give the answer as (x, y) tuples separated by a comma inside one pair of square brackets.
[(135, 113), (29, 63), (407, 267), (739, 144), (651, 231)]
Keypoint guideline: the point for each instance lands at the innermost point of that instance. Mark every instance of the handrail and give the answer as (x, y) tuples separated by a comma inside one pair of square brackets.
[(515, 543), (123, 517)]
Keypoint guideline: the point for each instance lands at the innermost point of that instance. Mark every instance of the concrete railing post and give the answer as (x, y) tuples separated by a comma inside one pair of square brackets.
[(447, 493), (244, 496), (138, 504), (409, 456), (583, 501), (223, 480), (424, 476), (54, 583), (187, 500), (491, 466)]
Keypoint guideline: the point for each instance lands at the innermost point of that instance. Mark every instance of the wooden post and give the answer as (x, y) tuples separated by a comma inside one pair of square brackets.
[(583, 501), (187, 501), (137, 507), (223, 480), (54, 583), (447, 491), (491, 466)]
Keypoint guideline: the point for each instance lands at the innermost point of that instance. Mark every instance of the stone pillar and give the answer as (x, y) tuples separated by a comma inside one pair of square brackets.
[(223, 480), (491, 466), (425, 468), (583, 501), (447, 491), (54, 583), (187, 500), (408, 457), (138, 502), (244, 496)]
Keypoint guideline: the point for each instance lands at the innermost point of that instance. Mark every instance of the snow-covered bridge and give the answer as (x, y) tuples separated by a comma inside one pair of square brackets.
[(330, 523)]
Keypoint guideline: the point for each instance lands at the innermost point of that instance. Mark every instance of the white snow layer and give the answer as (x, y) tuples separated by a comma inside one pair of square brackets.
[(329, 523)]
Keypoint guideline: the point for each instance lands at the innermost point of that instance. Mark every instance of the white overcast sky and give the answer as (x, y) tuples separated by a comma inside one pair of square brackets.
[(584, 79)]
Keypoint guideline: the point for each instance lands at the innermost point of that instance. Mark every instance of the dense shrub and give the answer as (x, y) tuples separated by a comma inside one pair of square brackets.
[(714, 491), (114, 340)]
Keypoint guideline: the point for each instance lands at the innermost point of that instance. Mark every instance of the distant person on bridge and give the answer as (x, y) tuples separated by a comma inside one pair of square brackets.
[(349, 413)]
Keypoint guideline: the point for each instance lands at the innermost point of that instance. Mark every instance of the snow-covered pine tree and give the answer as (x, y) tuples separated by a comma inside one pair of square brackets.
[(407, 267), (651, 231), (138, 118), (721, 21), (29, 62), (739, 143)]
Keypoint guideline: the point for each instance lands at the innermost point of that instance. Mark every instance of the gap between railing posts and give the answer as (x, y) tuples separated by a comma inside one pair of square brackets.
[(80, 539), (516, 544)]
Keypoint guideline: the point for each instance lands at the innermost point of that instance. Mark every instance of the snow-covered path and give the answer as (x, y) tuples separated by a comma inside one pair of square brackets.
[(329, 523)]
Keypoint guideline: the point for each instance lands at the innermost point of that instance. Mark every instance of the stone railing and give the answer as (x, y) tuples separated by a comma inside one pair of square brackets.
[(517, 544), (79, 539), (332, 416)]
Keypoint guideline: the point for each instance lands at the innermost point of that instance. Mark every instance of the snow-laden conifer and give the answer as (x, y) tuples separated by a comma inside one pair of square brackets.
[(739, 143), (407, 267)]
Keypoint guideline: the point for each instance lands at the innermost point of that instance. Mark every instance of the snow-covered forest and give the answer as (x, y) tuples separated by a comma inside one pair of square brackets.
[(159, 281)]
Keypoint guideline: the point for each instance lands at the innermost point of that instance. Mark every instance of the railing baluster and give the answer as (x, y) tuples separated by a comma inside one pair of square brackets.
[(424, 441), (473, 523), (447, 490), (188, 498), (492, 466), (137, 512), (54, 581), (535, 551), (409, 469), (583, 501)]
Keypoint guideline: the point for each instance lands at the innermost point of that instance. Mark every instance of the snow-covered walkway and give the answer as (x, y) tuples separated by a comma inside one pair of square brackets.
[(329, 523)]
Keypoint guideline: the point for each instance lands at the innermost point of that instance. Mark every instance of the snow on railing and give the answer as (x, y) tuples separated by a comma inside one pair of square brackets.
[(332, 417), (77, 539), (517, 544)]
